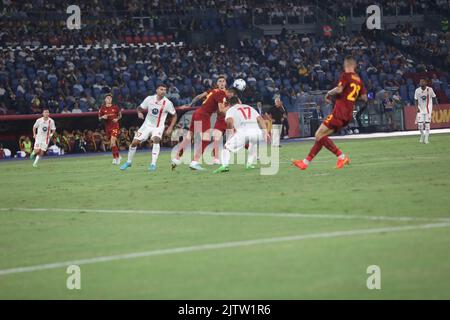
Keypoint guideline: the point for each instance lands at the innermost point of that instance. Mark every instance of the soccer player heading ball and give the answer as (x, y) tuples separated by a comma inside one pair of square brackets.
[(111, 114), (349, 89)]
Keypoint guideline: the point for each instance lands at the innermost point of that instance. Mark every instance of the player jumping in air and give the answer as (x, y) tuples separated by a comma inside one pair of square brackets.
[(43, 130), (214, 102), (157, 106), (111, 113), (348, 90), (424, 97), (249, 128)]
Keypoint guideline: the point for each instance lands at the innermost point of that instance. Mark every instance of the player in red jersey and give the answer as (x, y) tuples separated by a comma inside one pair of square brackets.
[(348, 90), (201, 121), (111, 114)]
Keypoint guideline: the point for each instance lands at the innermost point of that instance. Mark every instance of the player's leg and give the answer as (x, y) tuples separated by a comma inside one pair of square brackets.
[(234, 144), (217, 138), (141, 135), (421, 126), (321, 132), (37, 153), (427, 127), (202, 127), (324, 139), (114, 147), (253, 149), (156, 139)]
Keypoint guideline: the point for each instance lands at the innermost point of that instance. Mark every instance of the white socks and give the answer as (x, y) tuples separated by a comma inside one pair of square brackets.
[(427, 131), (131, 152), (36, 160), (155, 152), (225, 157), (252, 148)]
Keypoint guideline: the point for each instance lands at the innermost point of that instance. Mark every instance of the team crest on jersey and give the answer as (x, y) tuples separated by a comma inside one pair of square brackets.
[(44, 129), (155, 111), (424, 98)]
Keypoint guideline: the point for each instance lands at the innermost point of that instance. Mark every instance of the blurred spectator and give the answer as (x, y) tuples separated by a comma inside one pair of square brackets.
[(389, 108), (25, 145)]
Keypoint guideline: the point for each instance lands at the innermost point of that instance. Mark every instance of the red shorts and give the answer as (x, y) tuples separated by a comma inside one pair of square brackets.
[(112, 132), (202, 119), (221, 125), (334, 123)]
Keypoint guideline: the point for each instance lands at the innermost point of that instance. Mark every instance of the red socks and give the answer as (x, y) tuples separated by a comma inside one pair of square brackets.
[(115, 152), (324, 142), (314, 150), (329, 144)]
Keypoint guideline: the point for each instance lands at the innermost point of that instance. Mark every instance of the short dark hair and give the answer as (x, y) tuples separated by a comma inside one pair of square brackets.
[(350, 59), (45, 108), (222, 76), (235, 91), (233, 100), (161, 85)]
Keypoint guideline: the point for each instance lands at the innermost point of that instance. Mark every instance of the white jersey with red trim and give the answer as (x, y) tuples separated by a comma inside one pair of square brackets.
[(425, 99), (156, 111), (44, 128)]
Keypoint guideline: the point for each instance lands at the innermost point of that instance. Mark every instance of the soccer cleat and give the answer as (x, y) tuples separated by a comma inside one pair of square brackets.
[(222, 169), (114, 161), (35, 165), (216, 161), (196, 166), (421, 139), (125, 166), (175, 162), (342, 162), (118, 160), (152, 167), (250, 167), (32, 155), (300, 164)]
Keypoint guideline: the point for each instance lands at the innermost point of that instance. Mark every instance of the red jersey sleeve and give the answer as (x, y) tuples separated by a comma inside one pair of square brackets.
[(343, 79)]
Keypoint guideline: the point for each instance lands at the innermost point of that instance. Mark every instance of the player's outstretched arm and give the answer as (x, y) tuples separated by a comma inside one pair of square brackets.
[(197, 98)]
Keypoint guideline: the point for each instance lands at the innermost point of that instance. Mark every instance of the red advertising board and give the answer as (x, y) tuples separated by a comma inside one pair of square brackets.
[(439, 119)]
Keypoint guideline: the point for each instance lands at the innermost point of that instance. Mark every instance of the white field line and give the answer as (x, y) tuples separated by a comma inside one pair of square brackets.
[(238, 214), (223, 245)]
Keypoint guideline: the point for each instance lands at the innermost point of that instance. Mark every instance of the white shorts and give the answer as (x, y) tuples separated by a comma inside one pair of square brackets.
[(41, 143), (145, 132), (423, 117), (241, 137)]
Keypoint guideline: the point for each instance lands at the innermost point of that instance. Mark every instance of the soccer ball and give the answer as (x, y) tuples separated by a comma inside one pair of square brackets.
[(239, 84)]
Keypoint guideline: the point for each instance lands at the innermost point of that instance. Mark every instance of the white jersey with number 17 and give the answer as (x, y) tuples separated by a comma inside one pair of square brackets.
[(244, 117)]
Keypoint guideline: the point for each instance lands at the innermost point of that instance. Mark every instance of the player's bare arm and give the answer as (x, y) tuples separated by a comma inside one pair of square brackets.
[(263, 127), (119, 116), (336, 90), (173, 121), (197, 98), (140, 112)]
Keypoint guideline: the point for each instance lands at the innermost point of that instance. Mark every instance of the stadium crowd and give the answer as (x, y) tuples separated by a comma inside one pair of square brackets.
[(72, 80)]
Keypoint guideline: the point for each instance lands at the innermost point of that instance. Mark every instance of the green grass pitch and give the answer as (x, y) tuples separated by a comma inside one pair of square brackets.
[(238, 235)]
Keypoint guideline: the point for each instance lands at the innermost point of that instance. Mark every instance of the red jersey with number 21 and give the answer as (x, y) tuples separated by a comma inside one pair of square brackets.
[(345, 102)]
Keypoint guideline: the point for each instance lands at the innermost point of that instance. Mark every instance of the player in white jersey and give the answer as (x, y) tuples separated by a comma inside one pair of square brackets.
[(157, 107), (43, 130), (249, 128), (424, 97)]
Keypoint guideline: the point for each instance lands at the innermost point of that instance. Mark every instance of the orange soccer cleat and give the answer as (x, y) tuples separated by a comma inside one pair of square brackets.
[(342, 162), (300, 164)]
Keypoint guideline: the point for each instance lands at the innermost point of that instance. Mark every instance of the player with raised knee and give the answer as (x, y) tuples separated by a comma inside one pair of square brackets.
[(348, 90), (157, 107), (424, 97), (246, 126)]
